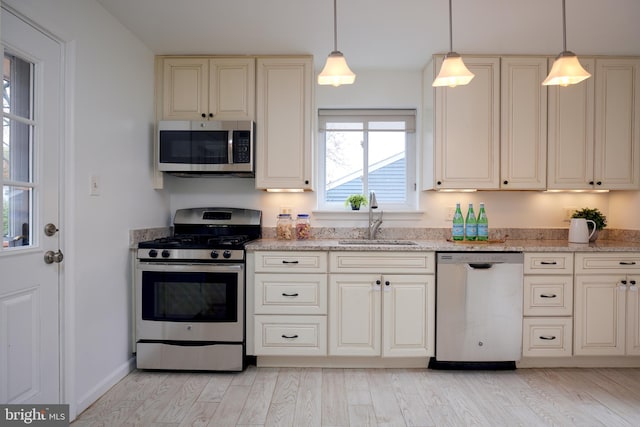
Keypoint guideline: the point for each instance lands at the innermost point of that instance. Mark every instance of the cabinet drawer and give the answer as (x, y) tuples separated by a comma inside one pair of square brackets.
[(382, 262), (548, 295), (548, 263), (284, 261), (290, 294), (546, 337), (618, 262), (291, 335)]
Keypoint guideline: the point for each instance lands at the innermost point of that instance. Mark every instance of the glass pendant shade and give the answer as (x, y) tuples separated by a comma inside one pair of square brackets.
[(566, 70), (336, 72), (453, 72)]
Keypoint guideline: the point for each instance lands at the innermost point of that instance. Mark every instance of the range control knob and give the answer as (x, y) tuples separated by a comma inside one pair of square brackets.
[(214, 254), (153, 253), (166, 254), (226, 254)]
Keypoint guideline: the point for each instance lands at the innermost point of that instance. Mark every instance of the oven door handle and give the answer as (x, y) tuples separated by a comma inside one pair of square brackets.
[(187, 267)]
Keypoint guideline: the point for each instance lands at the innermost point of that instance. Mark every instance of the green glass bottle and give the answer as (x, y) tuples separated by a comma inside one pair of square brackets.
[(457, 231), (483, 224), (471, 226)]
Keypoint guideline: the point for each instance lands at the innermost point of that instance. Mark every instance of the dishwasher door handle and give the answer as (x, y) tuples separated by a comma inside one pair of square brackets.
[(481, 266)]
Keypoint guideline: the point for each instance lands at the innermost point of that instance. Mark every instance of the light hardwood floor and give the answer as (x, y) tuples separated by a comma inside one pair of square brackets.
[(371, 397)]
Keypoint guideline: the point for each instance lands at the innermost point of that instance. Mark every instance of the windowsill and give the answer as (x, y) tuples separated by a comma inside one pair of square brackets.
[(347, 215)]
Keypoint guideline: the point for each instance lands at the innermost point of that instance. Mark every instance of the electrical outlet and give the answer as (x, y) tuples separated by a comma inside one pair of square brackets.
[(451, 210), (568, 212)]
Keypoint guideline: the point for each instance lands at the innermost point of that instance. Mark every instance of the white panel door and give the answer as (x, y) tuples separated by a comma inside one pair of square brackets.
[(354, 315), (408, 315), (29, 288)]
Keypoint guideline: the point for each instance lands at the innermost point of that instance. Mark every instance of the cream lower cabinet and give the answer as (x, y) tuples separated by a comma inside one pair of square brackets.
[(607, 309), (548, 305), (290, 303), (390, 313)]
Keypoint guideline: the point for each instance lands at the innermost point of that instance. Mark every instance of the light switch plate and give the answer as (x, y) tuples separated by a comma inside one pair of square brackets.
[(94, 185)]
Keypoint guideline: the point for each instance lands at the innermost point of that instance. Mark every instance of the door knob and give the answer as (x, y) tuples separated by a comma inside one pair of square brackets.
[(50, 257), (50, 229)]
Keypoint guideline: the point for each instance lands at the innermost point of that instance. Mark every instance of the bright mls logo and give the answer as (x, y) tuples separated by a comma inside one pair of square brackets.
[(36, 415)]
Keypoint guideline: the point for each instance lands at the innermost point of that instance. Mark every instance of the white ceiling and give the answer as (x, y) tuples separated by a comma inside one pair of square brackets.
[(380, 34)]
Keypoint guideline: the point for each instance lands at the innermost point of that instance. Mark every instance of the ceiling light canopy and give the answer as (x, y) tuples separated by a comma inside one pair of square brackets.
[(566, 69), (453, 71), (336, 72)]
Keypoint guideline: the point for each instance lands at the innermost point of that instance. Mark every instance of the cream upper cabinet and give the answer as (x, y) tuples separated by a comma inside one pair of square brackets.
[(617, 124), (197, 88), (523, 128), (284, 117), (594, 128), (466, 130)]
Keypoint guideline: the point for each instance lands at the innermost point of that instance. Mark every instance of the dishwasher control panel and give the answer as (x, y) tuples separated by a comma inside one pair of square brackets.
[(480, 257)]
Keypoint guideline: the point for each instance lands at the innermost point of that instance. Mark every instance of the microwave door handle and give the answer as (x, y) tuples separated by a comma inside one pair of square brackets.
[(230, 147)]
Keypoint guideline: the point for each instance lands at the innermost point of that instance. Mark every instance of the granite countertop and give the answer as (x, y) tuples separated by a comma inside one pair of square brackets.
[(444, 245)]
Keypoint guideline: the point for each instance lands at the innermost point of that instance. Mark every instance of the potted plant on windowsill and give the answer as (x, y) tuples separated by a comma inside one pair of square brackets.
[(355, 201), (594, 215)]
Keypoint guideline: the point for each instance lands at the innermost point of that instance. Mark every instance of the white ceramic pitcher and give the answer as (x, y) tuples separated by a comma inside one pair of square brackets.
[(579, 231)]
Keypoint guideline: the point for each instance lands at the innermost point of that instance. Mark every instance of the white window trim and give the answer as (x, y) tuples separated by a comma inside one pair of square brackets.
[(400, 211)]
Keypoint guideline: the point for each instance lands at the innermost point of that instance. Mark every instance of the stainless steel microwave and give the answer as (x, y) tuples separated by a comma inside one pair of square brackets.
[(206, 146)]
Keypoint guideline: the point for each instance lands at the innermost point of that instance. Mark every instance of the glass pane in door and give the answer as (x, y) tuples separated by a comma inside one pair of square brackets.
[(17, 178)]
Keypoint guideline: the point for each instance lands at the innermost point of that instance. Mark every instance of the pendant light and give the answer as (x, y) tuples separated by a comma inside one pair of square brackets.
[(453, 71), (566, 69), (336, 72)]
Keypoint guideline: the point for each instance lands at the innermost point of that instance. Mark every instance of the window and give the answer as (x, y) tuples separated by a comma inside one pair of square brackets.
[(17, 151), (367, 150)]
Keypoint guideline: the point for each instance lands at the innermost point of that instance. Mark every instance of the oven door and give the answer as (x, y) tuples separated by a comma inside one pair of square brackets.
[(190, 302)]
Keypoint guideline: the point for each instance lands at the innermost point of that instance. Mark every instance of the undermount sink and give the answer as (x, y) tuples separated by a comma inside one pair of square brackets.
[(377, 242)]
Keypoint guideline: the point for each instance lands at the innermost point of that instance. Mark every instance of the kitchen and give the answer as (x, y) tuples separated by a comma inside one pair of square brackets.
[(111, 64)]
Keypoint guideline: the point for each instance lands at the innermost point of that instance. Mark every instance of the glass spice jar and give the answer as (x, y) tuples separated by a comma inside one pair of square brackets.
[(303, 227), (284, 227)]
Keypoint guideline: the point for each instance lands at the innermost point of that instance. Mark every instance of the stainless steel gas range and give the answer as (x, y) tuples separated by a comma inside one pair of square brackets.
[(190, 291)]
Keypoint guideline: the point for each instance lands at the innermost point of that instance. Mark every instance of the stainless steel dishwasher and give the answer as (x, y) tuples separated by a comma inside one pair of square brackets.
[(478, 310)]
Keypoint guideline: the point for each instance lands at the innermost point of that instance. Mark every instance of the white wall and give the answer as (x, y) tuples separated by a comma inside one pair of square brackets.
[(110, 137)]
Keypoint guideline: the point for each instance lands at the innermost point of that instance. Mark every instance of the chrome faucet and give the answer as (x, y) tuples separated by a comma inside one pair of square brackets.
[(374, 223)]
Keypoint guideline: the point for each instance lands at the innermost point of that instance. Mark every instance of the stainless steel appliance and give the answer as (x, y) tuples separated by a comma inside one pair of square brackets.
[(216, 147), (190, 291), (478, 309)]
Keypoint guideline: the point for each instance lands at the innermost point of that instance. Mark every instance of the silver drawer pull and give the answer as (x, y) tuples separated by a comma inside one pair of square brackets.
[(548, 262), (284, 261), (291, 337), (284, 294), (627, 263), (547, 337), (548, 295)]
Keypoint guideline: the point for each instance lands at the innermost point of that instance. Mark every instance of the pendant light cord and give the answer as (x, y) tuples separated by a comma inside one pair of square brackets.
[(564, 27), (451, 28), (335, 25)]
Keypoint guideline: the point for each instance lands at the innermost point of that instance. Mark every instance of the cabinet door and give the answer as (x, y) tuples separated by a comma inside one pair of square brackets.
[(232, 88), (467, 128), (599, 315), (617, 124), (354, 314), (185, 91), (633, 316), (284, 118), (523, 142), (408, 315), (570, 139)]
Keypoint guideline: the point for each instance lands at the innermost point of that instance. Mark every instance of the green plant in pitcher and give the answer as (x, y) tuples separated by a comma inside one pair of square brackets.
[(594, 215)]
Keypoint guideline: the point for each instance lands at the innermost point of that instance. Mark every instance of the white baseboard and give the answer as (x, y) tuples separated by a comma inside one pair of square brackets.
[(103, 386)]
